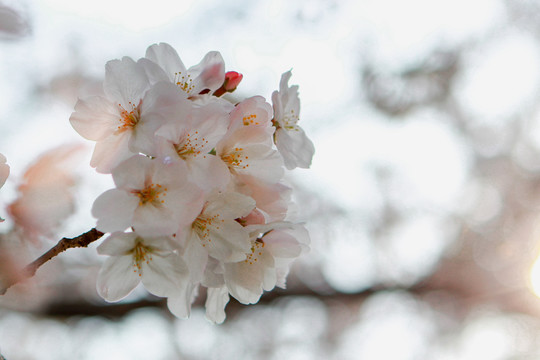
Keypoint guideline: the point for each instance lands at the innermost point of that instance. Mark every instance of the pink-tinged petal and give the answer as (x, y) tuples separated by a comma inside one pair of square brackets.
[(114, 210), (164, 275), (273, 199), (254, 111), (216, 300), (209, 73), (165, 56), (125, 82), (110, 152), (95, 118), (117, 278), (209, 172), (150, 220), (295, 147), (281, 244), (117, 244)]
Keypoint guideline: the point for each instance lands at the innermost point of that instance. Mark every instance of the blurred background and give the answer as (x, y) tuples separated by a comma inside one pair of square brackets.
[(422, 201)]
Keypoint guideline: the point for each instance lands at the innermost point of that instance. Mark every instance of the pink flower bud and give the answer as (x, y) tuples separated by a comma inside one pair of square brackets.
[(232, 79)]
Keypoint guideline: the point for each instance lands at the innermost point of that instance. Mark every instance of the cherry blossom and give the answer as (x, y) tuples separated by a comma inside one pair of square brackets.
[(266, 264), (151, 195), (190, 135), (124, 121), (208, 75), (199, 181), (153, 261), (292, 142)]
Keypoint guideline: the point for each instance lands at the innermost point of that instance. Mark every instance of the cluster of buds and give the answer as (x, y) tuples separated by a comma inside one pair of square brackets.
[(199, 197)]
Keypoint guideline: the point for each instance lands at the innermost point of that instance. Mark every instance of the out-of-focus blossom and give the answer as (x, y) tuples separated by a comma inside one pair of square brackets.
[(45, 196), (13, 24), (4, 170), (153, 261), (291, 140)]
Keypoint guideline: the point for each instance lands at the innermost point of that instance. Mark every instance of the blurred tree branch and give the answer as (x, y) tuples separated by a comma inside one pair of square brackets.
[(82, 240)]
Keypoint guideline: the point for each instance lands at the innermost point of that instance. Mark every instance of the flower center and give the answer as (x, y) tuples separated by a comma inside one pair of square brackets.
[(256, 251), (128, 119), (250, 120), (151, 194), (235, 158), (140, 254), (202, 226), (184, 82), (290, 121), (191, 145)]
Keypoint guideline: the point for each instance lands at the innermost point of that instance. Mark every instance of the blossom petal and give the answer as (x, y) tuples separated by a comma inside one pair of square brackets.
[(95, 118), (125, 82), (117, 244), (117, 278), (295, 147), (164, 275), (166, 56), (216, 300), (114, 210)]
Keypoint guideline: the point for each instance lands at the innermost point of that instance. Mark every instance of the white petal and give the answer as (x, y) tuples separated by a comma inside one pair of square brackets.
[(117, 278), (117, 244), (95, 118), (110, 152), (164, 275), (114, 210), (180, 302), (165, 56), (216, 300), (125, 82), (295, 147), (150, 220)]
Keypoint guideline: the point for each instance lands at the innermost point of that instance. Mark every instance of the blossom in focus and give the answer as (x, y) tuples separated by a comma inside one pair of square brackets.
[(124, 121), (207, 76), (273, 246), (153, 261), (151, 195), (190, 134), (45, 196), (291, 140), (199, 181)]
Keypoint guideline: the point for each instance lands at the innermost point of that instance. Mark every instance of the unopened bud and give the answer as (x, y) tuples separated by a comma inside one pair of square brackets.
[(232, 79)]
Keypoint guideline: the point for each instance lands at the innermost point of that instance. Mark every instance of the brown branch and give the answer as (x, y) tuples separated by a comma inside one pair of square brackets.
[(82, 240)]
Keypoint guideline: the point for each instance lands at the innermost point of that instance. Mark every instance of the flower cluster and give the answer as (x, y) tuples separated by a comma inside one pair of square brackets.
[(199, 197)]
